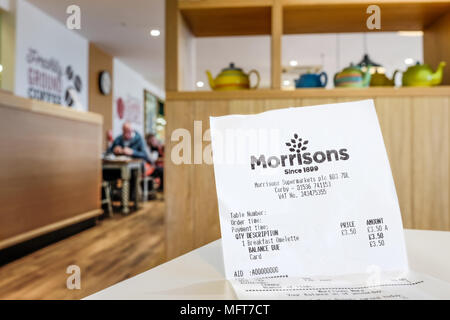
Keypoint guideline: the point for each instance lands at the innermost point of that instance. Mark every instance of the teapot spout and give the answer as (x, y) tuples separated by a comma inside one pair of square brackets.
[(367, 76), (210, 79), (436, 77)]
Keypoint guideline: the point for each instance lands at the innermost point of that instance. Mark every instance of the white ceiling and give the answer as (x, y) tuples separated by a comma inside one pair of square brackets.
[(121, 28)]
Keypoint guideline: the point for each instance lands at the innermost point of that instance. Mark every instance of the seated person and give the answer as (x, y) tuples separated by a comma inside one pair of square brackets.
[(155, 169), (156, 152), (129, 143)]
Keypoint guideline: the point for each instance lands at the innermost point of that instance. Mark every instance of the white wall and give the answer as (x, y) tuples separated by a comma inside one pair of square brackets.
[(335, 51), (5, 5), (187, 56), (128, 100), (44, 49)]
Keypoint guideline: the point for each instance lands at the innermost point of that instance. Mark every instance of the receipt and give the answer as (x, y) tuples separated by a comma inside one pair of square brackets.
[(303, 193)]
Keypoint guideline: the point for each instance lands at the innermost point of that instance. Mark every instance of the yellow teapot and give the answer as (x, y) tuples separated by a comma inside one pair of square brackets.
[(232, 78), (379, 79)]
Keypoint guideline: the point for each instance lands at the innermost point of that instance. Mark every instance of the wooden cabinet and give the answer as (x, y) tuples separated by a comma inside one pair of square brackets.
[(50, 168)]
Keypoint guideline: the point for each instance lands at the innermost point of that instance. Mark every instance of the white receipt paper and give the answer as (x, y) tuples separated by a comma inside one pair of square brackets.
[(308, 207)]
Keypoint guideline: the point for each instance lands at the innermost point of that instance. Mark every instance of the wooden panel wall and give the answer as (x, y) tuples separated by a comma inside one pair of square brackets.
[(436, 45), (416, 135), (99, 103), (275, 45), (431, 163), (50, 168), (172, 29)]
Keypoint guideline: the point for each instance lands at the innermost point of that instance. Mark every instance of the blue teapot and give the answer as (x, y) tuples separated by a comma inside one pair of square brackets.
[(312, 80)]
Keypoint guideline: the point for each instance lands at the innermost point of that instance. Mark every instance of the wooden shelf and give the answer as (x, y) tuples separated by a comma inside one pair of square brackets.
[(9, 100), (234, 21), (208, 18), (220, 4), (187, 19), (309, 93), (396, 16)]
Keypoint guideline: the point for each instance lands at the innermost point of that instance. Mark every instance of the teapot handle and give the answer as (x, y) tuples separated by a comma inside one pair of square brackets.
[(393, 76), (257, 77), (323, 83)]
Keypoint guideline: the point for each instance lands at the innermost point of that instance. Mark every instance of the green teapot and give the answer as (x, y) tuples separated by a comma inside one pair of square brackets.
[(381, 80), (352, 77), (421, 75)]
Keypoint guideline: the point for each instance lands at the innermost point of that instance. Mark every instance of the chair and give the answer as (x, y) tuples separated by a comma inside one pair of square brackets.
[(106, 190), (146, 191)]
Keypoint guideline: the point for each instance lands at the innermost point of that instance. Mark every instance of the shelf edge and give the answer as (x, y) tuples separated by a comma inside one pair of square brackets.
[(309, 93)]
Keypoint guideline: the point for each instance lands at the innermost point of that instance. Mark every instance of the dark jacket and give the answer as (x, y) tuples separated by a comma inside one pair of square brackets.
[(136, 143)]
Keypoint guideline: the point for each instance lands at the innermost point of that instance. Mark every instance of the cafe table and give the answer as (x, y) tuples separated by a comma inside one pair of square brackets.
[(199, 274), (125, 167)]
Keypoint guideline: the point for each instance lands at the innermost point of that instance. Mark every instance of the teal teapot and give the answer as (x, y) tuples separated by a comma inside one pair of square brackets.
[(311, 80)]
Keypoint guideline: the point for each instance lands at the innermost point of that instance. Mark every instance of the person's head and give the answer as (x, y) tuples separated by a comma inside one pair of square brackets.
[(109, 136), (152, 140), (127, 131)]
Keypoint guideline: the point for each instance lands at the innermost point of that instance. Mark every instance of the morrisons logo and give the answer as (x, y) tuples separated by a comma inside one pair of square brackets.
[(299, 155)]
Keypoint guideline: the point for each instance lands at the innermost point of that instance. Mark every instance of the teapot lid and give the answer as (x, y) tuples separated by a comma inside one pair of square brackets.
[(231, 67), (352, 66)]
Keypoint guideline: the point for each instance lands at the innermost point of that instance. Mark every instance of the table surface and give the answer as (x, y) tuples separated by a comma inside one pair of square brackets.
[(199, 274), (123, 162)]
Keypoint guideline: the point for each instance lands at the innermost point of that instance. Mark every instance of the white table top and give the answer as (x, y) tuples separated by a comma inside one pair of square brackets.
[(199, 274)]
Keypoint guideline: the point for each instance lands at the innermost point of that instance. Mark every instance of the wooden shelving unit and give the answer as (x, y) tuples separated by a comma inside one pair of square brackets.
[(415, 122), (226, 18), (206, 18), (319, 93)]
